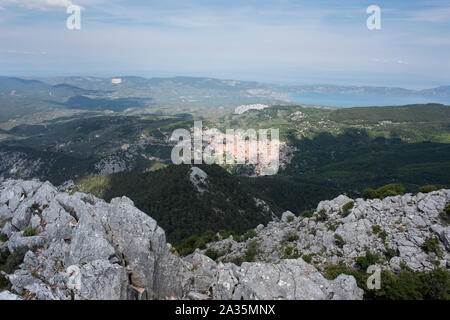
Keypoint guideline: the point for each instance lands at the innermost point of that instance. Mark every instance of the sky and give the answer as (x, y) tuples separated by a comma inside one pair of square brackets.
[(286, 42)]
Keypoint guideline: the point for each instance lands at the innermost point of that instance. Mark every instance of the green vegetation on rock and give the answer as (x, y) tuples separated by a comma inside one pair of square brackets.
[(347, 207), (406, 285), (29, 232), (384, 191)]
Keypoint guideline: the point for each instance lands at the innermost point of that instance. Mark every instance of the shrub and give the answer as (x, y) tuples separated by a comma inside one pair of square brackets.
[(390, 253), (4, 283), (430, 245), (3, 237), (435, 284), (35, 207), (250, 234), (235, 260), (376, 229), (447, 209), (390, 190), (430, 188), (321, 216), (334, 270), (307, 258), (339, 241), (209, 236), (29, 232), (10, 262), (252, 251), (190, 244), (213, 254), (289, 219), (332, 226), (404, 266), (347, 207), (290, 237), (384, 191), (404, 286), (369, 259), (369, 194), (383, 235), (226, 234), (291, 253), (430, 285), (306, 214)]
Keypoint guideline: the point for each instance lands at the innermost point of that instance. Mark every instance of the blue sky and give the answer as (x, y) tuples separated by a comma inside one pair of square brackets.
[(298, 42)]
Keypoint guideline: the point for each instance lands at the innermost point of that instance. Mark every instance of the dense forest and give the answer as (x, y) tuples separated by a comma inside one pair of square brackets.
[(329, 165), (169, 196)]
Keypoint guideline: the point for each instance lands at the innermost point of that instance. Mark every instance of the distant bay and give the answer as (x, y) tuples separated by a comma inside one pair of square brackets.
[(347, 100)]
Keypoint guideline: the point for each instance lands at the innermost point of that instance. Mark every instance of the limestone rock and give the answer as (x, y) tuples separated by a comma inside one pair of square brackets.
[(6, 295), (86, 248), (395, 226)]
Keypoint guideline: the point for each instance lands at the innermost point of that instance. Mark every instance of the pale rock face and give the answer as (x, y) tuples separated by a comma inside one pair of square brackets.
[(6, 295), (106, 242), (444, 235), (115, 163), (291, 279), (101, 280), (198, 178), (400, 223), (85, 248), (287, 280)]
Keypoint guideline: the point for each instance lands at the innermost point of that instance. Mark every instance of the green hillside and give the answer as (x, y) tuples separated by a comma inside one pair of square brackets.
[(411, 123), (339, 151), (169, 196), (349, 163), (408, 113)]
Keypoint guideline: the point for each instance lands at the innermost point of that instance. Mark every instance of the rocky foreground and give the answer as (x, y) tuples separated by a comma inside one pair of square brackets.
[(77, 246), (55, 245), (404, 231)]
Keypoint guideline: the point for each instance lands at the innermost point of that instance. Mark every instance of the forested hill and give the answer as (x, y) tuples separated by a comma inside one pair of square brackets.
[(184, 201), (432, 112)]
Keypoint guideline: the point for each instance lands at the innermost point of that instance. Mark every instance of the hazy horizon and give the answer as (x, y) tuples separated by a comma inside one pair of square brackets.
[(170, 76), (285, 42)]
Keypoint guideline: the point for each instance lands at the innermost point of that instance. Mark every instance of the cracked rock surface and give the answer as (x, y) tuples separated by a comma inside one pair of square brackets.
[(84, 248), (396, 228)]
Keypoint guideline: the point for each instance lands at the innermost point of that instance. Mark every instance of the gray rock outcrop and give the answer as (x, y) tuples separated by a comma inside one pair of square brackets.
[(81, 247), (396, 228)]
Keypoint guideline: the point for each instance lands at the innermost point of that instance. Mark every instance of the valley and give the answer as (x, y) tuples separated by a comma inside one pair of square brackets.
[(112, 140)]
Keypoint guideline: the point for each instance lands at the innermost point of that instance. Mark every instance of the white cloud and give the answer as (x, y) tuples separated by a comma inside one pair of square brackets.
[(44, 5)]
